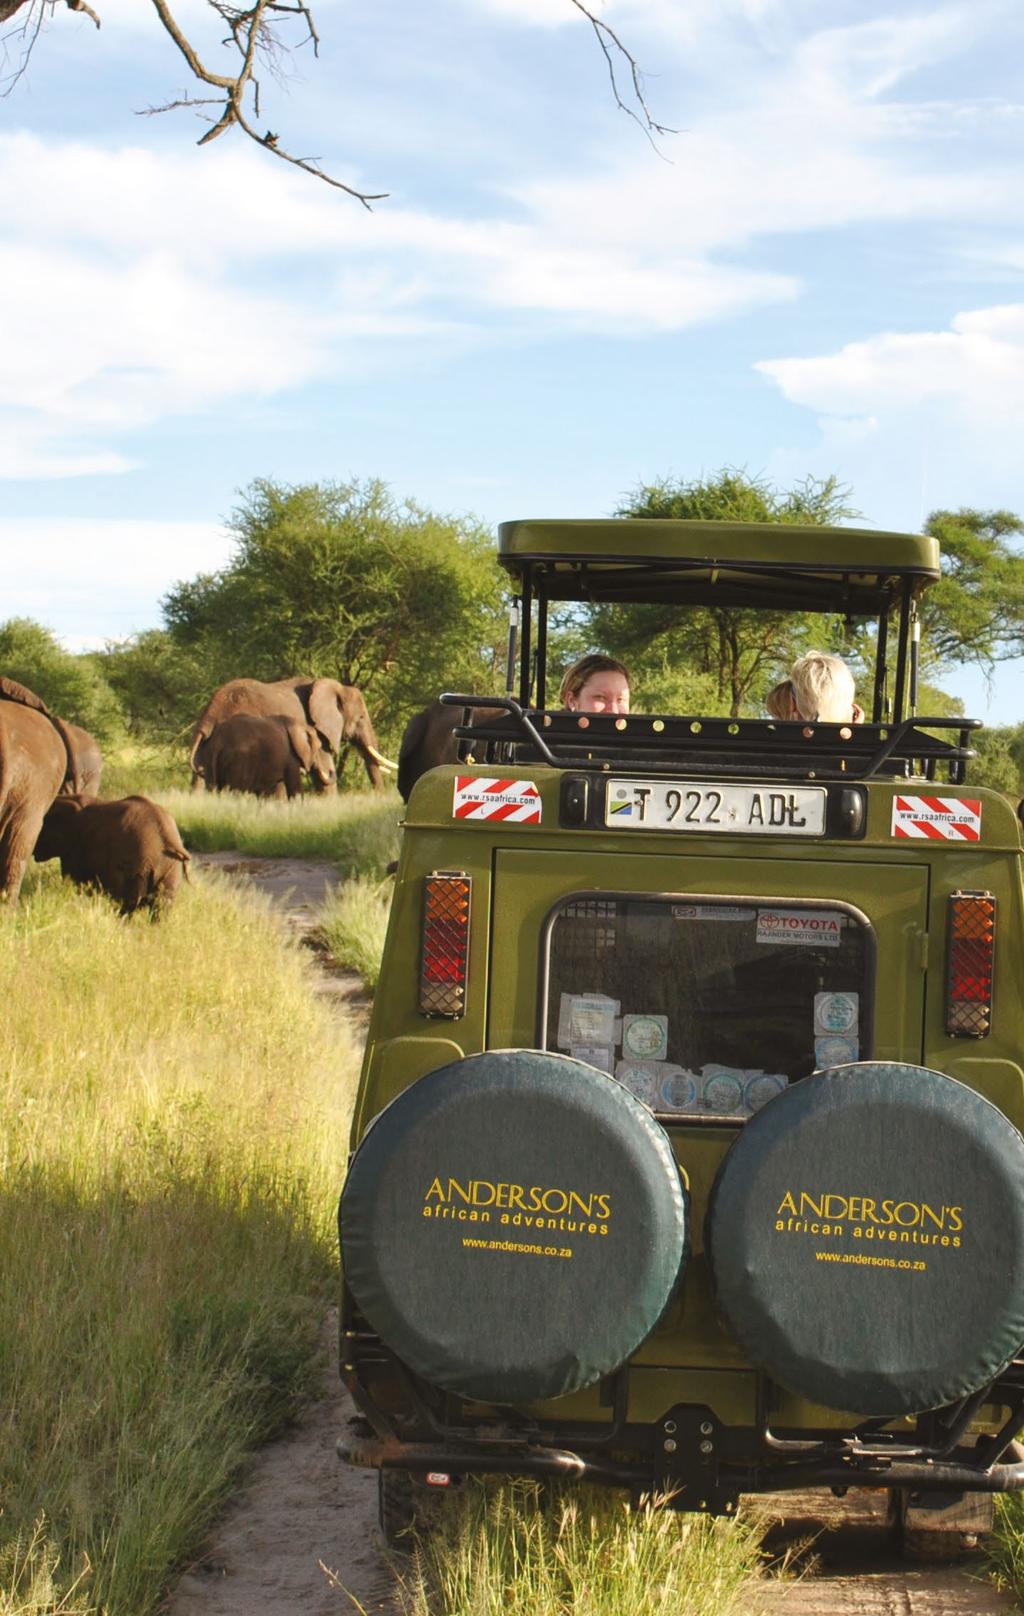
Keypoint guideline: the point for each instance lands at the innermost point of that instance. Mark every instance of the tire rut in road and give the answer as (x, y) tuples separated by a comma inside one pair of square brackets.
[(844, 1560)]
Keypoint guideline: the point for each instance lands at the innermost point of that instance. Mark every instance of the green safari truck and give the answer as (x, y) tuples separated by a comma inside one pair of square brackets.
[(686, 1154)]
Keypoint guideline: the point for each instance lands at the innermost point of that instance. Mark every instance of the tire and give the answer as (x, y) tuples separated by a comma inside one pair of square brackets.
[(866, 1239), (513, 1226), (409, 1512)]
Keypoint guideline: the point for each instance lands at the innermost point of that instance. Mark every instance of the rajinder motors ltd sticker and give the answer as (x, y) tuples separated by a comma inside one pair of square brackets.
[(816, 927)]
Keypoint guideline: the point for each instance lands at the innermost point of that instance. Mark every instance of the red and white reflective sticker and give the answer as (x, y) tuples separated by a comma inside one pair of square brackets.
[(937, 819), (517, 801)]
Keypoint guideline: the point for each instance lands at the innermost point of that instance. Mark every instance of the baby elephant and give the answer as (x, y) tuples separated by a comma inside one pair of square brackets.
[(267, 756), (130, 848)]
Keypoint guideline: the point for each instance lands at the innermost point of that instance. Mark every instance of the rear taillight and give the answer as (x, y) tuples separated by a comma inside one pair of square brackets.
[(972, 935), (446, 902)]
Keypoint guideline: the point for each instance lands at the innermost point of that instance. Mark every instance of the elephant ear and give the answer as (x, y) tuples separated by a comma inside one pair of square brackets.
[(304, 742), (326, 707)]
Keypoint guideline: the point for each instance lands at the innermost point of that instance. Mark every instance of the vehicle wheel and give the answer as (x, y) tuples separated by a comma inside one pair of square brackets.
[(514, 1225), (408, 1511)]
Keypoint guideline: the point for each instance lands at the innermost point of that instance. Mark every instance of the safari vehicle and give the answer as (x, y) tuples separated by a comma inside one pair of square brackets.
[(686, 1150)]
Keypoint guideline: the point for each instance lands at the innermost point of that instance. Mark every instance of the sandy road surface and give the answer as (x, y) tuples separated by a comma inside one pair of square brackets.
[(851, 1564), (300, 1510)]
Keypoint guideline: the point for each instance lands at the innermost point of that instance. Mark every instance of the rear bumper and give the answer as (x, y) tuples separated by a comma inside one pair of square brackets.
[(725, 1481)]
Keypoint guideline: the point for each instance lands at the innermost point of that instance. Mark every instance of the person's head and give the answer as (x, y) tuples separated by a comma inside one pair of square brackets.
[(823, 689), (595, 684), (781, 702)]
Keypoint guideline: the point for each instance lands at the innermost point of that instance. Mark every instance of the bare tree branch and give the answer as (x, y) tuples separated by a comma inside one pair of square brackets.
[(615, 51), (254, 34)]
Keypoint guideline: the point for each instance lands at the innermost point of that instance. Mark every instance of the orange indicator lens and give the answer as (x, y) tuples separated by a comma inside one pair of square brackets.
[(446, 905), (972, 930)]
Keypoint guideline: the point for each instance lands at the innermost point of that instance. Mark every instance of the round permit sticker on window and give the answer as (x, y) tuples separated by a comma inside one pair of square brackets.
[(836, 1013), (645, 1037)]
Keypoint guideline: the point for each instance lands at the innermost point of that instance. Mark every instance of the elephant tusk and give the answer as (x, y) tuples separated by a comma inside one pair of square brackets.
[(381, 761)]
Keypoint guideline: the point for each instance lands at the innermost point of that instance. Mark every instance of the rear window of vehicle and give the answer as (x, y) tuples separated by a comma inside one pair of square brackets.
[(707, 1008)]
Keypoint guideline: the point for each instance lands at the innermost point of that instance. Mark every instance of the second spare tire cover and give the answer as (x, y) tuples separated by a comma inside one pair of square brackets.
[(866, 1239), (513, 1225)]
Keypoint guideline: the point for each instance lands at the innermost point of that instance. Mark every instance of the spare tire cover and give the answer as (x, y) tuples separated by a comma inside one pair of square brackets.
[(513, 1225), (866, 1239)]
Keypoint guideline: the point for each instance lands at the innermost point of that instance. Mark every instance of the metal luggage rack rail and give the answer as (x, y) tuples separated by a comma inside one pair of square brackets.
[(600, 742)]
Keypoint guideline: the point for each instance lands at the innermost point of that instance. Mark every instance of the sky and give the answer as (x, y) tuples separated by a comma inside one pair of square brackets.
[(820, 272)]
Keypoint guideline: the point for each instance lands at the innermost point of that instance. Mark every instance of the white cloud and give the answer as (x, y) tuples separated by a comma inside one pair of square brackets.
[(150, 284), (110, 573), (915, 421), (977, 365)]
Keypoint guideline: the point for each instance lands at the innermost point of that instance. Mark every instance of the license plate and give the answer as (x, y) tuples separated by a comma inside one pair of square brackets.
[(699, 805)]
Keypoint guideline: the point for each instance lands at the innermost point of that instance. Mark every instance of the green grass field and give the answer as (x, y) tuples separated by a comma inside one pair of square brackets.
[(522, 1550), (356, 830), (170, 1168)]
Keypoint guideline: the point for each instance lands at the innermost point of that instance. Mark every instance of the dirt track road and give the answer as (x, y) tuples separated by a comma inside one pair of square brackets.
[(301, 1511)]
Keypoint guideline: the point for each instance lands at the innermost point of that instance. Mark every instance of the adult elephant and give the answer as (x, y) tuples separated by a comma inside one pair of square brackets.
[(36, 757), (429, 739), (266, 756), (338, 711)]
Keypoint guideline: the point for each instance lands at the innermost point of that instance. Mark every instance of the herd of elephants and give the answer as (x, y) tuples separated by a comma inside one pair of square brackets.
[(263, 738)]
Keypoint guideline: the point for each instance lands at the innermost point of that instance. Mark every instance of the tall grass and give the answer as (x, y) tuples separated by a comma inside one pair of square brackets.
[(357, 830), (514, 1551), (141, 766), (1005, 1545), (353, 924), (173, 1108)]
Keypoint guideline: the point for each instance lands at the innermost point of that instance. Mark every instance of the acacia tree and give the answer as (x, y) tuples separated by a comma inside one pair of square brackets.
[(975, 613), (71, 685), (342, 579), (258, 38), (721, 659)]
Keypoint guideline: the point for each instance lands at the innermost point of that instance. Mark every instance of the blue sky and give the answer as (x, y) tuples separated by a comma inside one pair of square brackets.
[(820, 272)]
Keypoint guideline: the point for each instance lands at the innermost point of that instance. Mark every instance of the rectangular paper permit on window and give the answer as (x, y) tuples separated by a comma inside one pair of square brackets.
[(600, 1055), (586, 1018)]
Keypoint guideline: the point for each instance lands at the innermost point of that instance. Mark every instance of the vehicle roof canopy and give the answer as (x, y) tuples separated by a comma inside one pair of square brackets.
[(776, 566)]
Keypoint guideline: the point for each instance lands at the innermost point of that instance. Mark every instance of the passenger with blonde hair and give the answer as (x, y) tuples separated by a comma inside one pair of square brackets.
[(823, 690)]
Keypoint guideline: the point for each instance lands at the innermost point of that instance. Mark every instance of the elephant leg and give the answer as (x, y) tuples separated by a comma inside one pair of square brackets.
[(134, 892), (19, 832)]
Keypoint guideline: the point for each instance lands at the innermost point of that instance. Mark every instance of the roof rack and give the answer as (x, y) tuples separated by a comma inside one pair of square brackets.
[(655, 744)]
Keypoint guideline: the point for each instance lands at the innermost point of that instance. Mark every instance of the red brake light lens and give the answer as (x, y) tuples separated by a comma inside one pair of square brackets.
[(972, 934), (444, 960)]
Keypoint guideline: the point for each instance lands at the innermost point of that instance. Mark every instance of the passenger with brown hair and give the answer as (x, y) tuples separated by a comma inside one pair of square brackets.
[(780, 701), (595, 684)]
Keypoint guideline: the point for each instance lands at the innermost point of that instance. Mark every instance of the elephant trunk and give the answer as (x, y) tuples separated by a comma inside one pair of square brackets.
[(198, 738)]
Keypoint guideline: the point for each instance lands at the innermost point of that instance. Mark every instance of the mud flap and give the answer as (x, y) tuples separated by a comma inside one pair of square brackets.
[(940, 1526)]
